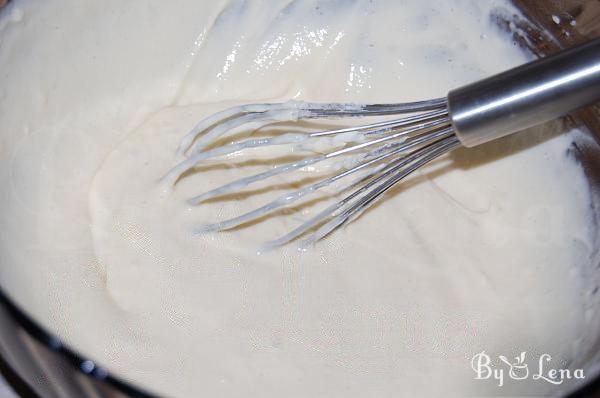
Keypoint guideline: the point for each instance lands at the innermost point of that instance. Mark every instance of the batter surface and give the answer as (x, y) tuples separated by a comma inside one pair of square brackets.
[(479, 251)]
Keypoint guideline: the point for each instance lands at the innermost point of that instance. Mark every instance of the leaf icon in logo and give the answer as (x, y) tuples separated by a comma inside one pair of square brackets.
[(517, 370)]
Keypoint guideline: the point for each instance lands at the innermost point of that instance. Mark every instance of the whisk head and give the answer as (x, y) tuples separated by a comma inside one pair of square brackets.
[(381, 154)]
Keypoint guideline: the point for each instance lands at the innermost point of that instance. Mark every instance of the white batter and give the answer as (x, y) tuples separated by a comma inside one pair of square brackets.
[(481, 251)]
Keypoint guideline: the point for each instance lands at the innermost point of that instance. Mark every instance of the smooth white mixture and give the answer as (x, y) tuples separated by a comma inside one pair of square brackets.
[(480, 251)]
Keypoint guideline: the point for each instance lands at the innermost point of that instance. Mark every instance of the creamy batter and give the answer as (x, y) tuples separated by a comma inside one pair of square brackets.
[(483, 250)]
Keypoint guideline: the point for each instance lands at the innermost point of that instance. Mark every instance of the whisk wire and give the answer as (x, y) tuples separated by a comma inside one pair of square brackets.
[(436, 150), (219, 123), (369, 159), (394, 169), (381, 153)]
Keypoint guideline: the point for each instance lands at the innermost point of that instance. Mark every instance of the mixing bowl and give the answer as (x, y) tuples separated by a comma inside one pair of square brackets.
[(37, 363)]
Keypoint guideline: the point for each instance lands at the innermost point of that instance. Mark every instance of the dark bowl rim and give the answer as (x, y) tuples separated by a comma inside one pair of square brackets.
[(81, 363), (88, 367)]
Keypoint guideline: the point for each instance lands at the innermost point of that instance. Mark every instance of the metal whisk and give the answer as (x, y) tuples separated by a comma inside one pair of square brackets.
[(383, 153)]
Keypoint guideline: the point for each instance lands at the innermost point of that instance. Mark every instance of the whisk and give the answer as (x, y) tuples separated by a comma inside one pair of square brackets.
[(381, 154)]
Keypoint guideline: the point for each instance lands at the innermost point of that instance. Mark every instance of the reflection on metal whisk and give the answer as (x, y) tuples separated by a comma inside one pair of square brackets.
[(385, 152)]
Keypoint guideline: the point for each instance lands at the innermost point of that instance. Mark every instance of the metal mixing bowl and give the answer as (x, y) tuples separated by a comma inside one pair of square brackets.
[(39, 364)]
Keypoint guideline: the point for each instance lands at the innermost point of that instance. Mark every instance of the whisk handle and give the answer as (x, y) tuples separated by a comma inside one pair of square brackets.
[(526, 96)]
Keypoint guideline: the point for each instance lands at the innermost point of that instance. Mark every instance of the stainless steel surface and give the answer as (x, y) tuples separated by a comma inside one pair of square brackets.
[(381, 154), (526, 96), (385, 152)]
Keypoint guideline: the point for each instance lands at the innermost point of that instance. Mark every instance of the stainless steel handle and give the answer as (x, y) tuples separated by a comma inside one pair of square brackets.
[(527, 95)]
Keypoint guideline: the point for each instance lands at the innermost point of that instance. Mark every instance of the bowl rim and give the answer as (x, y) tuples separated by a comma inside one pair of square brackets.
[(80, 363)]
